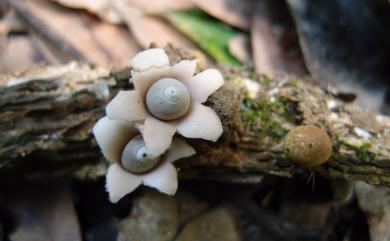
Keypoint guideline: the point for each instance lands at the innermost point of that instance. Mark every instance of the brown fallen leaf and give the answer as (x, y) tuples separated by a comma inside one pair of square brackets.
[(148, 29), (50, 50), (18, 53), (105, 8), (274, 44), (159, 6), (233, 12), (10, 23), (375, 203), (41, 212), (239, 47), (78, 34), (101, 8), (4, 28), (154, 217), (216, 224)]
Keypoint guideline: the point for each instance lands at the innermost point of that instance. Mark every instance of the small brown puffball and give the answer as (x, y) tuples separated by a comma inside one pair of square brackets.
[(308, 146)]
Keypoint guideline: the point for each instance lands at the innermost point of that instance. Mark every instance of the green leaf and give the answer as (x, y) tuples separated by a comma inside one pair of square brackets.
[(210, 34)]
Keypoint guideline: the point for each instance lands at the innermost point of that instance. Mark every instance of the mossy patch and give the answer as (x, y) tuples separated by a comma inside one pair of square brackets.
[(265, 117), (267, 114), (289, 110), (362, 152), (237, 81), (264, 79)]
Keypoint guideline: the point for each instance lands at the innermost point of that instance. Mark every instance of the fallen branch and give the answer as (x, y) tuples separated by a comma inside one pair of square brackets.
[(47, 115)]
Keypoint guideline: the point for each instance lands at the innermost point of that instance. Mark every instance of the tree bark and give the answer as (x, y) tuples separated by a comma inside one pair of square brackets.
[(47, 115)]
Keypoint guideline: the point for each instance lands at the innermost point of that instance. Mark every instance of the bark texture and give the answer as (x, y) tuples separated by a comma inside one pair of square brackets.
[(47, 115)]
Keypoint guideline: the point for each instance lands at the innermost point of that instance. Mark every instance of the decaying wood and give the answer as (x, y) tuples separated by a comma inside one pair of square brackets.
[(47, 115), (66, 32), (275, 51)]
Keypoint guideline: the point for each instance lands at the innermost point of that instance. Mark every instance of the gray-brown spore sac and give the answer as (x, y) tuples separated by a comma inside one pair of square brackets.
[(168, 99), (135, 158)]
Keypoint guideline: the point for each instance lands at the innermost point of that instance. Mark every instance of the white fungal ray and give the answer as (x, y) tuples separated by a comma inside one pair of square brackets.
[(200, 122), (143, 80), (119, 182), (127, 105), (151, 58), (202, 85), (112, 136), (180, 149), (163, 178), (184, 70), (157, 135)]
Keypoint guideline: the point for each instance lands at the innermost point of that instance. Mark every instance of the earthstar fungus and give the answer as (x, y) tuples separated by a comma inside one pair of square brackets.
[(137, 134), (132, 165), (167, 99)]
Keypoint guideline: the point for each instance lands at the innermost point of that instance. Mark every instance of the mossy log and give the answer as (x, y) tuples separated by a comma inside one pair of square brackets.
[(47, 115)]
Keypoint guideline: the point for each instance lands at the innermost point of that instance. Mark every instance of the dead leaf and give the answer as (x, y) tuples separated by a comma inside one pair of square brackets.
[(42, 212), (185, 217), (274, 44), (18, 53), (159, 6), (233, 12), (50, 50), (375, 203), (148, 29), (216, 224), (105, 8), (101, 8), (239, 47), (10, 23), (4, 28), (79, 35), (153, 217)]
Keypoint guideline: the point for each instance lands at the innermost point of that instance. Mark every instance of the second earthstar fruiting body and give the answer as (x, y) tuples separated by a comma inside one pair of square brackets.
[(121, 143), (135, 157)]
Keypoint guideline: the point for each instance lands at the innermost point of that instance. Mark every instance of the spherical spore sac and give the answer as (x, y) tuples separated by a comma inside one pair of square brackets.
[(308, 146), (168, 99)]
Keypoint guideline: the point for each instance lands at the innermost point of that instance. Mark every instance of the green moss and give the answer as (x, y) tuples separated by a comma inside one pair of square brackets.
[(288, 110), (292, 84), (362, 152), (264, 79), (263, 111), (236, 80), (268, 117)]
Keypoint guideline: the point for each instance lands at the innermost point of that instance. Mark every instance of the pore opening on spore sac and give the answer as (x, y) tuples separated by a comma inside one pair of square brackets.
[(168, 99)]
